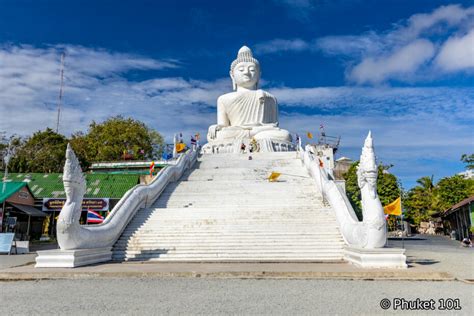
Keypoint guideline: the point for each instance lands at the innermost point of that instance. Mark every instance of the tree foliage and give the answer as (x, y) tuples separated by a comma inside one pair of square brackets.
[(42, 152), (451, 190), (428, 199), (468, 160), (388, 187), (112, 140), (115, 138), (419, 201)]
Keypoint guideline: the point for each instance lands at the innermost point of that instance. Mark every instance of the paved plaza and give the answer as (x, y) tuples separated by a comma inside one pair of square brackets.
[(138, 296), (438, 269)]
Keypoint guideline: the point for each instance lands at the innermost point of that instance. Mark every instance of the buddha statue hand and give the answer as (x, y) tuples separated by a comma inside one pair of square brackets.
[(212, 132)]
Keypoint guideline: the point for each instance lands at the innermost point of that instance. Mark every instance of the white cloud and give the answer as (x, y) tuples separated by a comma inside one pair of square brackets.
[(350, 45), (95, 88), (405, 121), (399, 52), (436, 21), (281, 45), (403, 61), (457, 53)]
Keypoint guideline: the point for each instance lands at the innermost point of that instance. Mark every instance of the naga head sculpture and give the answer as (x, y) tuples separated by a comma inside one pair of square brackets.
[(367, 169), (73, 178)]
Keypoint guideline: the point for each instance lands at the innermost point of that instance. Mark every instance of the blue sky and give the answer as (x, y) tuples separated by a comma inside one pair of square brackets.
[(403, 69)]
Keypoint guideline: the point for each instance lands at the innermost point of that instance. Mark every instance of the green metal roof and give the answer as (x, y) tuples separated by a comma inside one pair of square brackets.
[(7, 189), (50, 185)]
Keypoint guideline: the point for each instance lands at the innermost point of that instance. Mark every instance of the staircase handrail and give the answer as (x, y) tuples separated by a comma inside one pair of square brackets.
[(369, 233), (72, 235)]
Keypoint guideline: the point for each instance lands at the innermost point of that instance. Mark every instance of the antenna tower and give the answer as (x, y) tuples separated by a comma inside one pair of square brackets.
[(60, 99)]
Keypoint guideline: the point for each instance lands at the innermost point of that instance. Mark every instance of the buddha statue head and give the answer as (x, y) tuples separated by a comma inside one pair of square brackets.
[(245, 70)]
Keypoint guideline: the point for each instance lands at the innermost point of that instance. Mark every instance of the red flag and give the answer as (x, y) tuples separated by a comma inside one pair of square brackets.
[(321, 163), (152, 168)]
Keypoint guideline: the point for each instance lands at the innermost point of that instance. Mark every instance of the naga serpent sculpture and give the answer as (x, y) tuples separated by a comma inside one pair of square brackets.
[(372, 211), (371, 232), (71, 235)]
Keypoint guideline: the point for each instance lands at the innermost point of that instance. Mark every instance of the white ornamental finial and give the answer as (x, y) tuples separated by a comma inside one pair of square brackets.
[(367, 169), (72, 169), (367, 158)]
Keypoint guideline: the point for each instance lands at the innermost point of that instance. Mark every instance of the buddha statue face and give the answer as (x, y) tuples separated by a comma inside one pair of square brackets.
[(246, 75)]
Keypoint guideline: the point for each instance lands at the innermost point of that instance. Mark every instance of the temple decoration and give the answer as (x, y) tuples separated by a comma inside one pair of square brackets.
[(371, 232)]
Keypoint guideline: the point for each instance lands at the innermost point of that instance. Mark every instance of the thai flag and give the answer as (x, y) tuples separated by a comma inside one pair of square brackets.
[(94, 217), (193, 141)]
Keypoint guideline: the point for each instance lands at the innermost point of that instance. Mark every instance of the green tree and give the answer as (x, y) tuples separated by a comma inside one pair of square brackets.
[(3, 149), (427, 199), (468, 160), (388, 187), (451, 190), (419, 201), (109, 140), (352, 189), (44, 151)]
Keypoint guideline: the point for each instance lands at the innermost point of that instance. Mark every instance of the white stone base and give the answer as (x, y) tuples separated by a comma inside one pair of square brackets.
[(72, 258), (391, 258), (233, 146)]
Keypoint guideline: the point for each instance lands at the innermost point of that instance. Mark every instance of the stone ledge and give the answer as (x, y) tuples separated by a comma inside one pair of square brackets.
[(376, 258), (399, 275), (72, 258)]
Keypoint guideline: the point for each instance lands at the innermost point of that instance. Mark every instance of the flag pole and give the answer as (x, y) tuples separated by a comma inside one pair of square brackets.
[(403, 225)]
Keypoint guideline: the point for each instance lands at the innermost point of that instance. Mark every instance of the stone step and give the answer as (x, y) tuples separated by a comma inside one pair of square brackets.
[(225, 209), (256, 172), (229, 252), (237, 223), (218, 257), (262, 226), (257, 225), (244, 211), (218, 234), (225, 248), (230, 213), (321, 259), (238, 253), (222, 205), (273, 156), (216, 215), (324, 258), (222, 192)]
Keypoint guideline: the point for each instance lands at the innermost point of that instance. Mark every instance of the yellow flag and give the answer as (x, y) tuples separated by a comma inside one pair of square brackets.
[(310, 135), (274, 176), (180, 147), (394, 208)]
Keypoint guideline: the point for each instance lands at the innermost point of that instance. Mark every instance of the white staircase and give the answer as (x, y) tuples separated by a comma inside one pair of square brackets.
[(225, 209)]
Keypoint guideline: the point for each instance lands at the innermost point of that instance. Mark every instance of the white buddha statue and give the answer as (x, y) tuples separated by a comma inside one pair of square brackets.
[(247, 114)]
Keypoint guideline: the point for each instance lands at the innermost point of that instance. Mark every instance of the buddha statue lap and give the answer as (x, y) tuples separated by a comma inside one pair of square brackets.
[(247, 114)]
